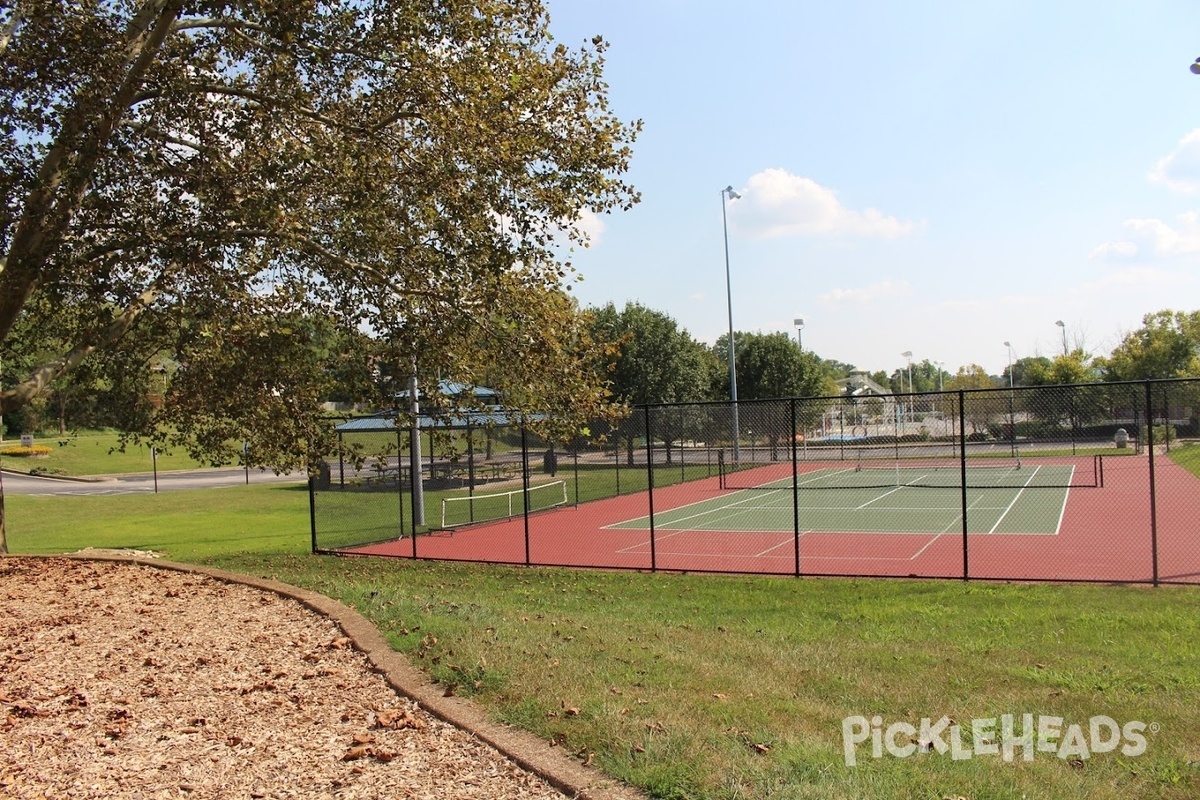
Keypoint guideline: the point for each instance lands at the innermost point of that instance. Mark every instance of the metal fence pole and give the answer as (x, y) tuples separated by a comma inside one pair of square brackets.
[(312, 512), (795, 495), (1153, 492), (525, 485), (650, 488), (962, 461)]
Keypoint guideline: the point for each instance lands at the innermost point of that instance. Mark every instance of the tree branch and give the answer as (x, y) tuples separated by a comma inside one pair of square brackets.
[(44, 375), (46, 212), (14, 22), (217, 22)]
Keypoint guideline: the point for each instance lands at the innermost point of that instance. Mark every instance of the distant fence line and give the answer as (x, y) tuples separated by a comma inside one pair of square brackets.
[(1079, 482)]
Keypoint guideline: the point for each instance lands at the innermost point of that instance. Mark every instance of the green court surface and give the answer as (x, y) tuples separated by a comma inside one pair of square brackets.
[(1016, 500)]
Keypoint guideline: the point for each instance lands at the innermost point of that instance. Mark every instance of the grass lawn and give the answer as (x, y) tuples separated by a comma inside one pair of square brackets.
[(96, 454), (729, 687), (1187, 455)]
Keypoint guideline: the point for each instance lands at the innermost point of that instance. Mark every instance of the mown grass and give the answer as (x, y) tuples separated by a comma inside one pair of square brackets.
[(98, 454), (1187, 455), (726, 687)]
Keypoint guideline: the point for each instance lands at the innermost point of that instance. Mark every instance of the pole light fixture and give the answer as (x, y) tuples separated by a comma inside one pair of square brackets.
[(907, 354), (1063, 327), (729, 195), (799, 323)]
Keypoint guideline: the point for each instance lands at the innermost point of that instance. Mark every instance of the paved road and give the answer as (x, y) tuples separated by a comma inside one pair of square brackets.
[(140, 483)]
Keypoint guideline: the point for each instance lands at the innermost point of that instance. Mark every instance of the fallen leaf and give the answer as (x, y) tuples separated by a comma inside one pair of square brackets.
[(357, 752)]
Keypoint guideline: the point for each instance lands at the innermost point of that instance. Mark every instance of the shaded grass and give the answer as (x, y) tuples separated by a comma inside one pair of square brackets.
[(725, 687)]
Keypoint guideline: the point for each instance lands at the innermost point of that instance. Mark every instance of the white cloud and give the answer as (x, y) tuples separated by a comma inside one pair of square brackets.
[(776, 203), (1134, 278), (1111, 251), (1180, 169), (592, 225), (882, 290), (1167, 240)]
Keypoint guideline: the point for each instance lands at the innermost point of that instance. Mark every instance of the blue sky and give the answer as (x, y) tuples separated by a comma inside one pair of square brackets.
[(939, 177)]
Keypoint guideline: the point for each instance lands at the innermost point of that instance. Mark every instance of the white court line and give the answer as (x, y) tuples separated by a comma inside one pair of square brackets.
[(1062, 511), (1016, 497), (885, 494), (944, 531)]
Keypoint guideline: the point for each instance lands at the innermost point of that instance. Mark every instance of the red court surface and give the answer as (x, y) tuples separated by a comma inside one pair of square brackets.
[(1105, 535)]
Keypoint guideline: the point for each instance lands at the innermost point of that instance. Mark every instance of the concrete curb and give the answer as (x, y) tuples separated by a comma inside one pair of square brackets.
[(63, 478), (556, 767)]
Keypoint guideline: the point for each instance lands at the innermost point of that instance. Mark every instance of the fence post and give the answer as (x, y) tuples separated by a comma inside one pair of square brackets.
[(1153, 492), (312, 512), (650, 488), (962, 461), (576, 459), (617, 461), (400, 484), (795, 494), (525, 484)]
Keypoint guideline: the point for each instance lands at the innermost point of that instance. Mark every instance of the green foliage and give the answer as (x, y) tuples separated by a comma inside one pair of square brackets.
[(657, 362), (1166, 346), (771, 365), (242, 188)]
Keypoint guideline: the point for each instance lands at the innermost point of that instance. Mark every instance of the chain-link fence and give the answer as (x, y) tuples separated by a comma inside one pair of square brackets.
[(1088, 482)]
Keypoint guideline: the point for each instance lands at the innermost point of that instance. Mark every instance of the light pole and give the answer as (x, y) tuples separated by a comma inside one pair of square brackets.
[(1012, 421), (907, 354), (1063, 326), (730, 194), (799, 323), (940, 364)]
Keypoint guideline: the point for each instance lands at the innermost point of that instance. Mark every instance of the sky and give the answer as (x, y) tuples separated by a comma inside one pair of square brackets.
[(929, 176)]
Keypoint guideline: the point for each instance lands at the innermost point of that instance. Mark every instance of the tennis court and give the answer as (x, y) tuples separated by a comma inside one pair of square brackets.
[(1014, 499)]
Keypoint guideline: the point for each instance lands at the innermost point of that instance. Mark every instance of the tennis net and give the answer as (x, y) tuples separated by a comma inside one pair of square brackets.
[(457, 511), (923, 474)]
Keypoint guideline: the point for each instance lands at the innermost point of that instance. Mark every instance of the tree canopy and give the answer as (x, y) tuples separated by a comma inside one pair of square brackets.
[(204, 180), (1166, 346), (657, 361)]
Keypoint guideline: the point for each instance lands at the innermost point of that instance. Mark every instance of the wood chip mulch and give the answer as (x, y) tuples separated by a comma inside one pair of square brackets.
[(121, 680)]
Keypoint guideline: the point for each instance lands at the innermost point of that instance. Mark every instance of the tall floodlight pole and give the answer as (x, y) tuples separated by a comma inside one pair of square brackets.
[(1062, 325), (1012, 421), (907, 354), (799, 323), (730, 194), (940, 364)]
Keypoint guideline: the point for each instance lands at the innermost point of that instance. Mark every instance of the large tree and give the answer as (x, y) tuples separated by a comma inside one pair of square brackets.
[(1166, 346), (655, 361), (772, 366), (194, 178)]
